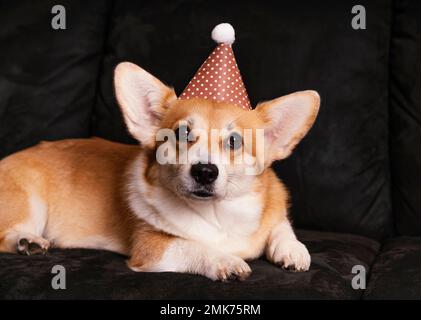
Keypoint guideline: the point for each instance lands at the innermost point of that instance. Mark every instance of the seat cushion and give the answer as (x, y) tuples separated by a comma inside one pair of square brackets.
[(94, 274), (396, 274)]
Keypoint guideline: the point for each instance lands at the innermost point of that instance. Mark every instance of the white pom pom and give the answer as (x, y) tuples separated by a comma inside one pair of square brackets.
[(223, 33)]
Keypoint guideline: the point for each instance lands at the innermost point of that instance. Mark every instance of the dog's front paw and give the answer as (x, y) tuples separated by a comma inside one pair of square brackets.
[(227, 267), (290, 254), (30, 245)]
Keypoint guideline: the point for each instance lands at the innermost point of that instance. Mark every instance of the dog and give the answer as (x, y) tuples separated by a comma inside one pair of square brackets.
[(201, 216)]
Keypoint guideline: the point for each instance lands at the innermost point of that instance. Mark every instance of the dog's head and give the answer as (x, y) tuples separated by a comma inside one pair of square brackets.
[(206, 149)]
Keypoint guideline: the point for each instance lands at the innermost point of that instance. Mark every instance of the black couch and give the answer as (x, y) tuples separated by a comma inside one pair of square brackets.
[(354, 180)]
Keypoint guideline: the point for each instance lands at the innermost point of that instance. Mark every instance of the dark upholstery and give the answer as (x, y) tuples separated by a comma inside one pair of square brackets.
[(48, 77), (361, 159), (405, 116), (396, 273), (104, 275)]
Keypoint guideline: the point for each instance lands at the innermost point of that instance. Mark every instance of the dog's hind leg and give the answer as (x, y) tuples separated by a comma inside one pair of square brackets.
[(23, 216)]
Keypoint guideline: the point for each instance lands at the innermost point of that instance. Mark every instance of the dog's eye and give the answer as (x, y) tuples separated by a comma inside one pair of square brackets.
[(235, 141), (182, 133)]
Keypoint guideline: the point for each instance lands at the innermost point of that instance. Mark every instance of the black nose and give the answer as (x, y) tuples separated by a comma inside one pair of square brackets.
[(204, 173)]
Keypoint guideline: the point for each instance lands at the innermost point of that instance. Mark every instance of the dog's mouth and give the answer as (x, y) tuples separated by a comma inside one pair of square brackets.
[(202, 194), (197, 193)]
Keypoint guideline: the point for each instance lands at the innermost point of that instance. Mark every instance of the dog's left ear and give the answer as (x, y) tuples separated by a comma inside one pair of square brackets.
[(287, 119), (143, 100)]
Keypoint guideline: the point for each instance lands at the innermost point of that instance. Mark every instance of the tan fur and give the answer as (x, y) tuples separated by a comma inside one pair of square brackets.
[(81, 183), (275, 207), (148, 245)]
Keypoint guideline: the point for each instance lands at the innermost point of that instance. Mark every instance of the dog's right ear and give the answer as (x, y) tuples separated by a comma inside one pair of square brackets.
[(143, 100)]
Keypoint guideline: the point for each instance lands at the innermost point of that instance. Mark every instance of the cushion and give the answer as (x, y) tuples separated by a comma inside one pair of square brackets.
[(396, 272), (48, 77), (405, 116), (339, 174), (104, 275)]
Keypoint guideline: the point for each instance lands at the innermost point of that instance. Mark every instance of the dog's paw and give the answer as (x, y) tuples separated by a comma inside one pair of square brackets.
[(290, 254), (30, 245), (227, 267), (215, 266)]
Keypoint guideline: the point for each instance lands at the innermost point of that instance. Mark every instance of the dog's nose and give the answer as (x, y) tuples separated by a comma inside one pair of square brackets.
[(204, 173)]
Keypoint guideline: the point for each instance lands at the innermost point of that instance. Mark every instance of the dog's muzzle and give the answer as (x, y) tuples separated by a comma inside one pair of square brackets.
[(204, 175)]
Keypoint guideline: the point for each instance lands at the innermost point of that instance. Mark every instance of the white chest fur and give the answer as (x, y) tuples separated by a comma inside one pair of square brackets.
[(224, 224)]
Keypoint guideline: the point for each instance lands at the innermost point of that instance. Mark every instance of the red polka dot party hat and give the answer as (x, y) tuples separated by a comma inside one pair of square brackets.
[(219, 78)]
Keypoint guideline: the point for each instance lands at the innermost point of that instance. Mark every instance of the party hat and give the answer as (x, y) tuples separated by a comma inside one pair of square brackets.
[(219, 78)]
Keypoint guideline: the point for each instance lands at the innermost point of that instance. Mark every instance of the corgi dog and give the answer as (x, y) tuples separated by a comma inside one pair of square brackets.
[(201, 216)]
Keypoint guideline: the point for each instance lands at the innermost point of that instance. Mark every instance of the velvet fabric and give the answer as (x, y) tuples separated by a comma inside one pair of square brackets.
[(339, 175), (48, 77), (405, 116), (396, 273), (93, 274)]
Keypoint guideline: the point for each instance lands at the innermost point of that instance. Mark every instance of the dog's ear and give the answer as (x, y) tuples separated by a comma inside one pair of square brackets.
[(143, 100), (287, 119)]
